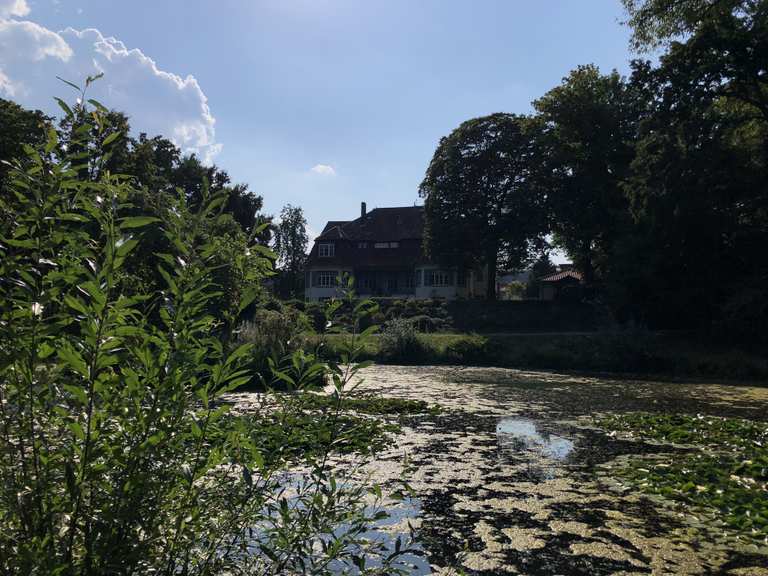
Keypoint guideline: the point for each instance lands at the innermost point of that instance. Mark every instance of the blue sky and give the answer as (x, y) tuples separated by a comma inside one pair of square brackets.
[(361, 91)]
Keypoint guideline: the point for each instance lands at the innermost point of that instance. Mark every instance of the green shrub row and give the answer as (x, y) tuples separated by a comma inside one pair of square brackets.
[(616, 352)]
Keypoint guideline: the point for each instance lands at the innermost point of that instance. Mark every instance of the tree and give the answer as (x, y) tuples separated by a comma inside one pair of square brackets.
[(698, 193), (587, 130), (725, 43), (543, 266), (19, 126), (481, 206), (291, 241), (698, 181)]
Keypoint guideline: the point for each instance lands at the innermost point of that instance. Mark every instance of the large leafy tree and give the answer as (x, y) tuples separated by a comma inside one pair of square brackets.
[(19, 126), (720, 45), (587, 131), (291, 242), (698, 191), (698, 182), (159, 173), (482, 206)]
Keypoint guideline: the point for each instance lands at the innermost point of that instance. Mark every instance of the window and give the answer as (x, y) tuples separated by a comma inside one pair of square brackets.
[(394, 244), (362, 245), (381, 245), (438, 278), (410, 279), (326, 279), (326, 250)]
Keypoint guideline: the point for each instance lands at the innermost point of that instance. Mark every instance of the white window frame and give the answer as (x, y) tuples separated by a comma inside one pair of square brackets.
[(326, 278), (326, 250), (439, 278)]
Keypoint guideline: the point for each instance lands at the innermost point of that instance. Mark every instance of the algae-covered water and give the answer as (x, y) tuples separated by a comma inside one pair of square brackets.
[(512, 478)]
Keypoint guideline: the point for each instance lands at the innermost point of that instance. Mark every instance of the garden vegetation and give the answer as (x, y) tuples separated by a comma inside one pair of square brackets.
[(119, 342)]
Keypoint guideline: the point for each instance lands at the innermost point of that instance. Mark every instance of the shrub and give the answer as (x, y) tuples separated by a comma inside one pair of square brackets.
[(469, 350), (272, 336), (399, 342), (117, 455)]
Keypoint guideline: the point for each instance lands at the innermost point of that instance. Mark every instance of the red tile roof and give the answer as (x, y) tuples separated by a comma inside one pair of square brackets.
[(557, 276)]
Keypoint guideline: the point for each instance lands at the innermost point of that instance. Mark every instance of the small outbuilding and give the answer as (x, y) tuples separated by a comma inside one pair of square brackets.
[(553, 286)]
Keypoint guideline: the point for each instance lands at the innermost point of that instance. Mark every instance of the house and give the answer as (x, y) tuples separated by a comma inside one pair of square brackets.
[(382, 251), (553, 286)]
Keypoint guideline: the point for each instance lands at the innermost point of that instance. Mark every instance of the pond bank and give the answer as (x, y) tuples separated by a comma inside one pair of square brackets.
[(662, 354), (512, 477)]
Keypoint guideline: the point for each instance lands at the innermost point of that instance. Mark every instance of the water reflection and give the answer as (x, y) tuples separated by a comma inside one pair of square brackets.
[(520, 439)]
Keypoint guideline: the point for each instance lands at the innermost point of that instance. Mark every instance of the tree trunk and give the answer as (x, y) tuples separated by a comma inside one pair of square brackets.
[(491, 259), (588, 273)]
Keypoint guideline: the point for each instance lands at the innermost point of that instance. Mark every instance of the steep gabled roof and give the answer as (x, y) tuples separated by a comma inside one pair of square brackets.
[(379, 225), (557, 276), (332, 230)]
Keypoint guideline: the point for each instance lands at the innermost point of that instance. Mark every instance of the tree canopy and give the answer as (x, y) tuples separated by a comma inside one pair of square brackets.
[(291, 242), (482, 207), (587, 126)]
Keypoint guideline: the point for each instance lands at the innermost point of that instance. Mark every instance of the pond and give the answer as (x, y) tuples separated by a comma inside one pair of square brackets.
[(513, 477)]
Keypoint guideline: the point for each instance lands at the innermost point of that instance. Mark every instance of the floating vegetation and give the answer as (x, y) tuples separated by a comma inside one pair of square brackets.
[(368, 404), (725, 473)]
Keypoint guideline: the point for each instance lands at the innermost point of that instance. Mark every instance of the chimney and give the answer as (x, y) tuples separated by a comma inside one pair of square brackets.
[(362, 209)]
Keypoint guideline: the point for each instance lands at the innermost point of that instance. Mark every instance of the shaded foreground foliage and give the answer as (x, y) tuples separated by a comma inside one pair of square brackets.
[(117, 454), (727, 474)]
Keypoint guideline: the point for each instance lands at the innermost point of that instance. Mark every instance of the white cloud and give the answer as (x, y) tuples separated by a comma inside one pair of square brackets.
[(323, 169), (30, 42), (10, 8), (157, 101)]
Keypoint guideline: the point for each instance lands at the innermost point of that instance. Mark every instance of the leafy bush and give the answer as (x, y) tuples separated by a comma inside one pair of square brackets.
[(469, 350), (273, 335), (117, 455), (399, 342)]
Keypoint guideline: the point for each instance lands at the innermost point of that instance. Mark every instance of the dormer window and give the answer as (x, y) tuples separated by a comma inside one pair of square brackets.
[(326, 250)]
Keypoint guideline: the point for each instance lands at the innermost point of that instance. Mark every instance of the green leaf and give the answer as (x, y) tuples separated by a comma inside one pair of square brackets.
[(111, 138), (77, 430), (52, 140), (67, 82), (64, 106), (96, 104), (75, 304), (137, 221), (91, 79), (77, 392), (73, 359)]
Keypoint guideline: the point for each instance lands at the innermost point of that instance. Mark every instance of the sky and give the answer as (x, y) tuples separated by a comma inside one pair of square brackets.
[(319, 103)]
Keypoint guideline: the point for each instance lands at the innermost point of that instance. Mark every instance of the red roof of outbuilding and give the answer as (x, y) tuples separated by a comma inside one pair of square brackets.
[(557, 276)]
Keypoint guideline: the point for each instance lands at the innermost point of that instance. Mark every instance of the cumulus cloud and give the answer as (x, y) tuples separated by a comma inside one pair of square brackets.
[(9, 8), (157, 101), (323, 170)]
